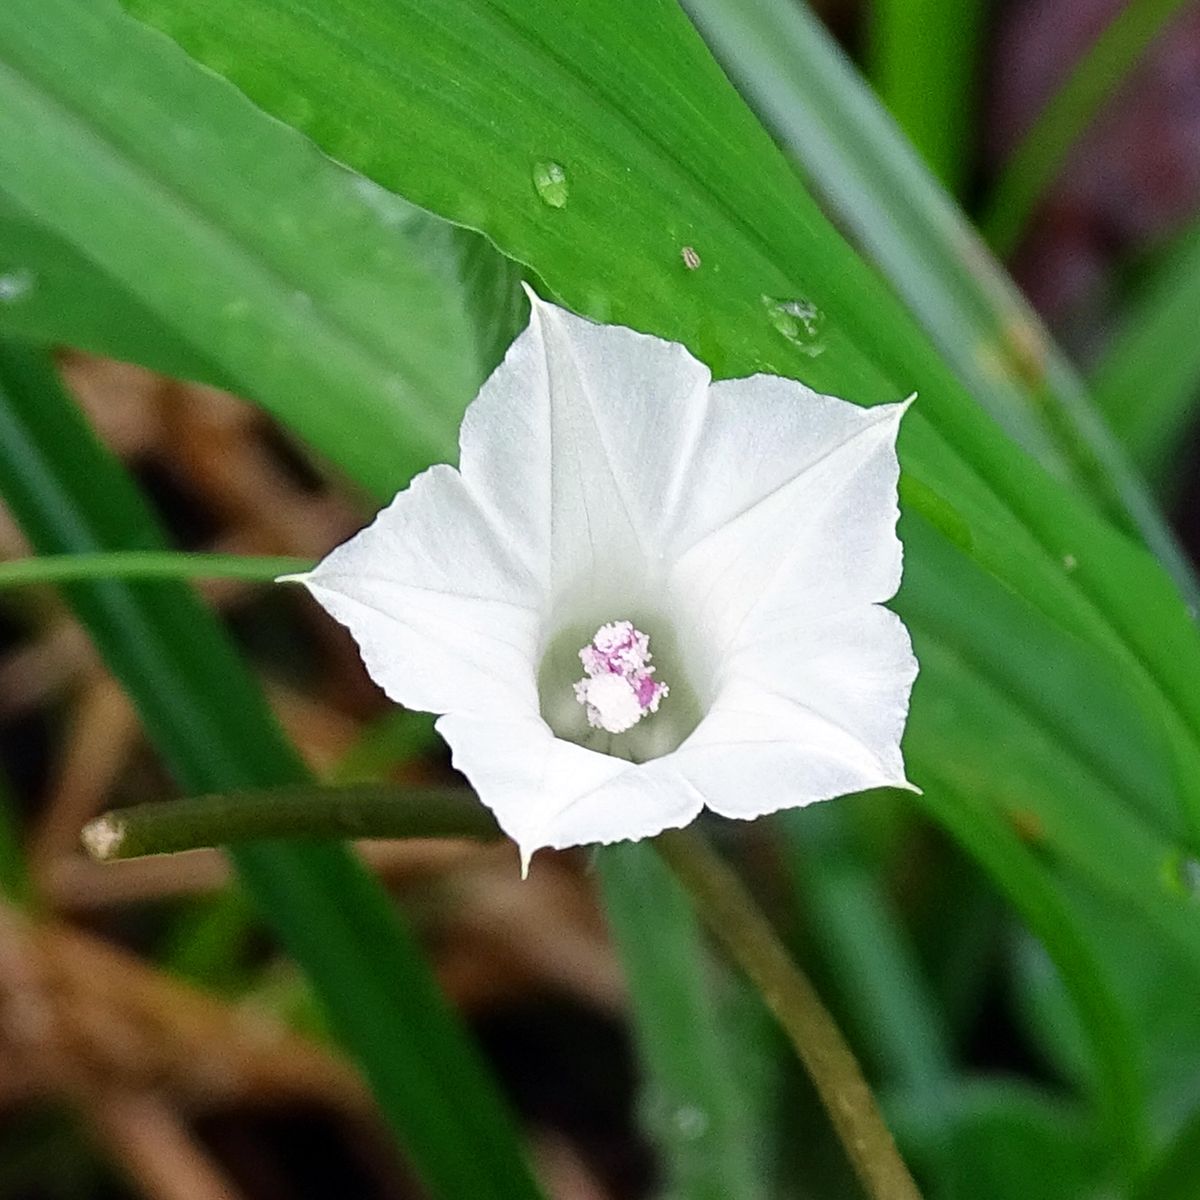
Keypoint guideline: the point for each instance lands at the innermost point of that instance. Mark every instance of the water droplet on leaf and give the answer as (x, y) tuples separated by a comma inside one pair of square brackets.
[(799, 321), (1182, 875), (550, 180), (16, 285), (691, 1122)]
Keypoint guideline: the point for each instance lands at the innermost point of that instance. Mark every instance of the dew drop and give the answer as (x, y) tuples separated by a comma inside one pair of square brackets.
[(691, 1122), (1182, 875), (550, 181), (15, 285), (799, 321)]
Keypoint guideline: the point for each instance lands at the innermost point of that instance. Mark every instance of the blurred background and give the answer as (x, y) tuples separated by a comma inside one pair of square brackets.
[(154, 1042)]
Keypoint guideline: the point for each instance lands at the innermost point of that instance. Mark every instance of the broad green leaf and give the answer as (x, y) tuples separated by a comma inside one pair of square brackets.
[(390, 286), (1036, 161), (1100, 1019), (202, 709), (995, 1140), (693, 1096), (1148, 381), (51, 294), (317, 285), (812, 98)]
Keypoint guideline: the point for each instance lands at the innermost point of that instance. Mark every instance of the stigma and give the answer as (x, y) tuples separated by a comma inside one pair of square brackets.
[(618, 689)]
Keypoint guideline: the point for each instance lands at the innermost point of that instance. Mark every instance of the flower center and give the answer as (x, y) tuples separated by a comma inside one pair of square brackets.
[(618, 690)]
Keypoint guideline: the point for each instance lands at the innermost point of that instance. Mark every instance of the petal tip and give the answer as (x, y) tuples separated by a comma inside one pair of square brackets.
[(535, 301), (527, 854)]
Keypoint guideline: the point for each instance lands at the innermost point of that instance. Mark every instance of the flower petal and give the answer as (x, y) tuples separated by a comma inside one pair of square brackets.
[(625, 413), (805, 718), (443, 614), (810, 530), (546, 792)]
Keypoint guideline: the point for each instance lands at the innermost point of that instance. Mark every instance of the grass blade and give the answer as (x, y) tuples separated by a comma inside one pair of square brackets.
[(143, 565), (872, 963), (1148, 381), (693, 1098), (1036, 161), (923, 56)]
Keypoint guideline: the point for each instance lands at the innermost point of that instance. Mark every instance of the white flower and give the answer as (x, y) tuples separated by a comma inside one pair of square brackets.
[(613, 507)]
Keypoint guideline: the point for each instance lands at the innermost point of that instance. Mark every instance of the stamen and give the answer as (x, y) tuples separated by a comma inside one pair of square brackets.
[(618, 690)]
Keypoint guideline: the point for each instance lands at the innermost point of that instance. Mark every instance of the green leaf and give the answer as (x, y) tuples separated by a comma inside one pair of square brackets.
[(993, 1140), (1148, 381), (693, 1098), (812, 98), (51, 294), (872, 965), (202, 709), (1034, 164), (1101, 1020), (924, 55), (1155, 988), (319, 290), (1173, 1175)]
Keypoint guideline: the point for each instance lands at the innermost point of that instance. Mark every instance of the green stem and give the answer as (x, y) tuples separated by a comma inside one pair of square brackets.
[(302, 811), (147, 564), (1037, 160), (733, 917)]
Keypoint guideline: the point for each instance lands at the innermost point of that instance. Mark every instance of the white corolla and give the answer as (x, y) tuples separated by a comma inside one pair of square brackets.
[(642, 593)]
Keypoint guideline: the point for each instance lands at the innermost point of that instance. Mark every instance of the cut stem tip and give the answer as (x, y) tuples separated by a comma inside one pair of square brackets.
[(102, 837)]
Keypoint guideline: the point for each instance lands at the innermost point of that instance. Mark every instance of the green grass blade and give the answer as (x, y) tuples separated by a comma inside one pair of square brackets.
[(693, 1096), (812, 98), (15, 885), (144, 565), (1148, 381), (201, 707), (924, 56), (995, 845), (1034, 164), (1173, 1175), (871, 962)]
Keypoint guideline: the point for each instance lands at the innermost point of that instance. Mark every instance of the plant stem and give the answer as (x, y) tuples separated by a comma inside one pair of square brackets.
[(300, 811), (146, 564), (727, 908)]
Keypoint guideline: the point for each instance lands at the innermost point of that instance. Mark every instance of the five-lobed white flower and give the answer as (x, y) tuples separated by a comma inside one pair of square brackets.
[(613, 505)]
